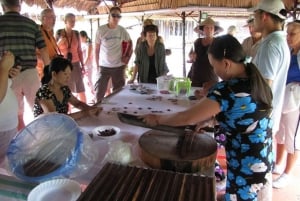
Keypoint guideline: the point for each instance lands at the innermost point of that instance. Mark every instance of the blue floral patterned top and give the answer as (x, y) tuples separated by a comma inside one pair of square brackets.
[(44, 92), (248, 138)]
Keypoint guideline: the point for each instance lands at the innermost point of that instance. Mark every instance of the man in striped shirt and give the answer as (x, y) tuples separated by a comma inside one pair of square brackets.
[(22, 36)]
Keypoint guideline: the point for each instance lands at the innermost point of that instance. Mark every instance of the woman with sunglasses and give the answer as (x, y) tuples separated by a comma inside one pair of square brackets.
[(113, 49)]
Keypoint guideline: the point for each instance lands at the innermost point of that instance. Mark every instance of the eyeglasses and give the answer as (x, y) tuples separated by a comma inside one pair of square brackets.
[(116, 15)]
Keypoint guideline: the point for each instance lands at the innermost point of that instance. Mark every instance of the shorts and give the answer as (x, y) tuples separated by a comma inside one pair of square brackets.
[(26, 84), (289, 133), (76, 81)]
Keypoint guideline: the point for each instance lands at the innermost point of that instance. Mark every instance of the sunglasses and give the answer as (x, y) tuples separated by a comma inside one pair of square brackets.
[(115, 15)]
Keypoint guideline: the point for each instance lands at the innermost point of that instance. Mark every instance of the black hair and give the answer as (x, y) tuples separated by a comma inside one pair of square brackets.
[(228, 47), (10, 3), (84, 34), (57, 64), (150, 28)]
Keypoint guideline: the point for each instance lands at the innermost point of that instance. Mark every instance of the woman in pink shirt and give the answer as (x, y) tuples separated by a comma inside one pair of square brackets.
[(68, 42)]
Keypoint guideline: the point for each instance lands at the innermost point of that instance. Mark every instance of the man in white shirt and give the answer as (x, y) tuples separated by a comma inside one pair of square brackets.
[(111, 57)]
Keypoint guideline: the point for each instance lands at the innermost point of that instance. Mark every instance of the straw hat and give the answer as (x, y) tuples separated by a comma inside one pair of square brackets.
[(208, 21)]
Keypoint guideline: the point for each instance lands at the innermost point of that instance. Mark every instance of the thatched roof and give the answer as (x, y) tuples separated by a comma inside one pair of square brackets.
[(92, 6), (142, 5)]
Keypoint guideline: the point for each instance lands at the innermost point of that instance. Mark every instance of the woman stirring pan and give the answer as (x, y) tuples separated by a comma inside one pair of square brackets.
[(242, 106)]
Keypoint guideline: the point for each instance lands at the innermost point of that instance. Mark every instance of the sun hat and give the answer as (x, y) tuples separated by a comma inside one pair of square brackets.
[(275, 7), (208, 21)]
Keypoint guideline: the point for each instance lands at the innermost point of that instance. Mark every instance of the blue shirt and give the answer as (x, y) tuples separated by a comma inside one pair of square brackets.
[(247, 126), (294, 71), (273, 60)]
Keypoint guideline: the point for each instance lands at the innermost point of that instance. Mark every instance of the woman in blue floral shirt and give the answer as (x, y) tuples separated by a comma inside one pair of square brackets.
[(242, 105)]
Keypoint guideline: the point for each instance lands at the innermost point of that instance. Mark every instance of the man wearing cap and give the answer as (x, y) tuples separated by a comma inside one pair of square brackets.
[(272, 59), (251, 44), (201, 72), (22, 36)]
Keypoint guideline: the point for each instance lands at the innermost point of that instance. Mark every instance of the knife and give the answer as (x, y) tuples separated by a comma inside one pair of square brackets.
[(135, 120)]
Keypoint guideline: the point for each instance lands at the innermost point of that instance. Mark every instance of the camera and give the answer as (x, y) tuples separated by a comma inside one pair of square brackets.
[(18, 61), (69, 56)]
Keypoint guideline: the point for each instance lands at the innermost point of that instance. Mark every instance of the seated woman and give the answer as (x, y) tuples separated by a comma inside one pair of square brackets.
[(54, 95), (150, 61), (242, 104)]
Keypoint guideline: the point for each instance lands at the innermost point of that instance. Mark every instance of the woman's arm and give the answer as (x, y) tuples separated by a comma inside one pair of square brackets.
[(89, 53), (201, 111), (162, 61), (79, 50), (6, 62), (47, 105), (137, 61), (135, 70), (77, 103), (86, 110)]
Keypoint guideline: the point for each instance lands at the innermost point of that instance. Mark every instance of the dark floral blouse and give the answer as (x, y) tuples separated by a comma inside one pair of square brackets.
[(248, 146), (44, 93)]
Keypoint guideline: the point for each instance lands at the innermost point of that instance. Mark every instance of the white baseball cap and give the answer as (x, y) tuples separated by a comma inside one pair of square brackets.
[(275, 7)]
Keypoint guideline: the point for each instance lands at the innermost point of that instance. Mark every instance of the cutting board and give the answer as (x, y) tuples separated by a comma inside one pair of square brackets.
[(171, 151)]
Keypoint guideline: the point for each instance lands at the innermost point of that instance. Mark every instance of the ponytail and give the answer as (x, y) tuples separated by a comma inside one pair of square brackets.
[(47, 75), (260, 90)]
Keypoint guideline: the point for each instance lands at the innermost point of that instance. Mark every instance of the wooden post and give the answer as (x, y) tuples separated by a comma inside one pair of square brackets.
[(183, 16), (91, 24)]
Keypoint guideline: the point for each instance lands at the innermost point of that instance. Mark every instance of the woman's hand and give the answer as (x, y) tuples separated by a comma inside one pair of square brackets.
[(199, 93), (14, 72), (93, 111), (193, 56), (151, 119), (210, 123), (7, 61), (131, 81)]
